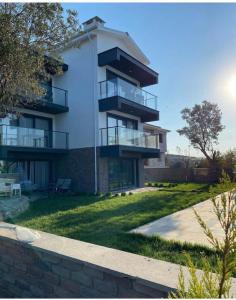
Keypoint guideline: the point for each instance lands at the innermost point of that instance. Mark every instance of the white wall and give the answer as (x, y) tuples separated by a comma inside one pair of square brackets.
[(108, 41), (81, 82)]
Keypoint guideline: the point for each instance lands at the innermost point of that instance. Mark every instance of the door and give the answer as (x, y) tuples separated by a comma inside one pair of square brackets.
[(122, 173)]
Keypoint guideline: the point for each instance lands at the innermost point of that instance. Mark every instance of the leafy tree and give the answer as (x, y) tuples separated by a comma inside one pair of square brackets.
[(207, 284), (228, 163), (203, 128), (28, 32)]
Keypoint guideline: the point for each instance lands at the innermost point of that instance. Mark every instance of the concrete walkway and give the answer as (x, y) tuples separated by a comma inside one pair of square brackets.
[(182, 226)]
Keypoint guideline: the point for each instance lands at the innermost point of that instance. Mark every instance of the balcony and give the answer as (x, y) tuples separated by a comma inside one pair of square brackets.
[(118, 94), (127, 64), (54, 101), (126, 142), (20, 142)]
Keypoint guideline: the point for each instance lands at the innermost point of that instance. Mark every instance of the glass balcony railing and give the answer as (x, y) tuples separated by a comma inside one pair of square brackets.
[(128, 137), (54, 95), (31, 137), (119, 87)]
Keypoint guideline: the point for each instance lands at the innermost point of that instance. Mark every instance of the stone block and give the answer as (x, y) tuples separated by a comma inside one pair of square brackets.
[(86, 292), (52, 278), (62, 293), (149, 291), (71, 265), (120, 280), (93, 271), (62, 272), (6, 259), (129, 293), (50, 258), (70, 285), (81, 278), (20, 265), (106, 288)]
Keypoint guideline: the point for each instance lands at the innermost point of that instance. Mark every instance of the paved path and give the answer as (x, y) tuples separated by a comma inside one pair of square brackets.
[(182, 226)]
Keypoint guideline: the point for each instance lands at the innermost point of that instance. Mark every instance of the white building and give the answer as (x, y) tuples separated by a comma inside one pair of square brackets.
[(90, 127), (159, 162)]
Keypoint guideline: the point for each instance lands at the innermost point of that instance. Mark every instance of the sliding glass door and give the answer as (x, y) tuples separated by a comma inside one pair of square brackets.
[(122, 173)]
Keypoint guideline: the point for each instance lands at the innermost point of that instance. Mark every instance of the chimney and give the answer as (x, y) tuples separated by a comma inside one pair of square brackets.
[(92, 23)]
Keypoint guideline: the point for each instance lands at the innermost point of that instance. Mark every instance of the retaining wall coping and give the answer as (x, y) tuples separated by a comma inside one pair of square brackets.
[(150, 272)]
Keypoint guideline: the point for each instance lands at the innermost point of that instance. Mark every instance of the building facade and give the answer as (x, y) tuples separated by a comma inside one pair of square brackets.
[(158, 162), (90, 125)]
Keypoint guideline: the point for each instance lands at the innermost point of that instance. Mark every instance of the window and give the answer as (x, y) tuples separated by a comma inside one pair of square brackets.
[(111, 75), (121, 173), (160, 138), (114, 121)]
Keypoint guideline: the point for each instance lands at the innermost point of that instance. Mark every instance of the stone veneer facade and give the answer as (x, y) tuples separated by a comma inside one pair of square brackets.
[(79, 164)]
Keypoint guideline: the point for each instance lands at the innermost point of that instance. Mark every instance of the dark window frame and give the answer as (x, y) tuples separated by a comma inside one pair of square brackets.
[(160, 138), (118, 117)]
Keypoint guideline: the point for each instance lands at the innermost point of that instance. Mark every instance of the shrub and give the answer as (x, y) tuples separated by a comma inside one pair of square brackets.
[(116, 195), (123, 194), (99, 194), (149, 184), (108, 195), (130, 193), (209, 285)]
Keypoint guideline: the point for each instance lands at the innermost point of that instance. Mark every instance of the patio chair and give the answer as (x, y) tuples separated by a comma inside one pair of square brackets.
[(63, 185), (4, 189), (16, 189)]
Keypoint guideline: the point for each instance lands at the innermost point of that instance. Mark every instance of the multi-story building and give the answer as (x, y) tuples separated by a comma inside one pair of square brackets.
[(89, 127), (159, 162)]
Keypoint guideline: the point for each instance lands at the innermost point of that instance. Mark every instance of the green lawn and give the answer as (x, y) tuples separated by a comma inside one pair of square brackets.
[(107, 221)]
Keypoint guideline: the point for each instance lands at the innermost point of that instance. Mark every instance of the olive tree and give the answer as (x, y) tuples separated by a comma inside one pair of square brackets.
[(29, 34), (203, 128)]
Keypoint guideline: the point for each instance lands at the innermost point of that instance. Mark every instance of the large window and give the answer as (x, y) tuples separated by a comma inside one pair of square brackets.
[(121, 173), (114, 121)]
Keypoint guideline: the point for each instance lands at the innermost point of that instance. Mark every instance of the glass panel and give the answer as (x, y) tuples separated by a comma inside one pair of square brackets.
[(111, 121), (26, 122), (128, 137), (44, 124), (121, 173), (122, 88), (31, 137)]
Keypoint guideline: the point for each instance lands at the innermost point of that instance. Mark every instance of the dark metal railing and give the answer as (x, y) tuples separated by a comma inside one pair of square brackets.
[(32, 137), (54, 95), (124, 89)]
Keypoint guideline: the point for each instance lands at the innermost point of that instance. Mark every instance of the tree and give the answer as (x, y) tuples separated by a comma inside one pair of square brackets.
[(209, 285), (30, 33), (203, 128), (228, 163)]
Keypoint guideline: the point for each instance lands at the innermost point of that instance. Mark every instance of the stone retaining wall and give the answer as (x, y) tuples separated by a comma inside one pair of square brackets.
[(59, 267)]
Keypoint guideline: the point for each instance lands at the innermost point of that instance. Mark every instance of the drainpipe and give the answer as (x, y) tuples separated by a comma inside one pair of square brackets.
[(94, 116)]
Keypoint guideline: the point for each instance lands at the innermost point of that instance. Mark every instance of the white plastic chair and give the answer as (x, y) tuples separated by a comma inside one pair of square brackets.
[(15, 189)]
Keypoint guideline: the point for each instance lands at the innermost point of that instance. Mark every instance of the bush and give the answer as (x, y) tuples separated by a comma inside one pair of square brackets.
[(149, 184), (116, 195), (108, 195), (156, 184), (130, 193), (99, 194), (123, 194)]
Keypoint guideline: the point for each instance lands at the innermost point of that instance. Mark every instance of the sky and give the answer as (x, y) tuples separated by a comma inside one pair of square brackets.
[(192, 47)]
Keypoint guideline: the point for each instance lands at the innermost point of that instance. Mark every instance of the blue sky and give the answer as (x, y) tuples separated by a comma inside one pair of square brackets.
[(192, 46)]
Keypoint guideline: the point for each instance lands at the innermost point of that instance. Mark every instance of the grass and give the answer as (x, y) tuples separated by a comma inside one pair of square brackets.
[(107, 221)]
